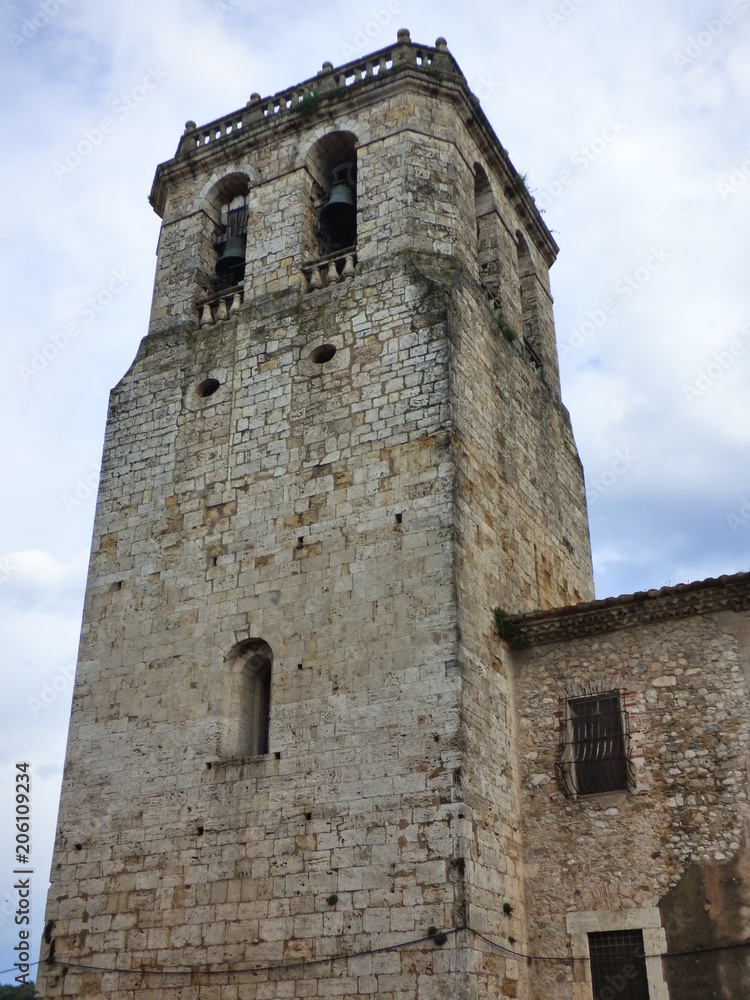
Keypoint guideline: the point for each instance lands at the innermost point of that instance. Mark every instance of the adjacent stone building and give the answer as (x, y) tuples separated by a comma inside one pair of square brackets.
[(643, 828), (305, 760)]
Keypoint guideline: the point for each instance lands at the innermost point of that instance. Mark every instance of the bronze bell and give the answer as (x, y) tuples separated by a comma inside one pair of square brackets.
[(233, 256), (338, 219)]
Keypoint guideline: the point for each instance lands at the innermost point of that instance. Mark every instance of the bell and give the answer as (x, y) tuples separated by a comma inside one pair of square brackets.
[(233, 256), (338, 219)]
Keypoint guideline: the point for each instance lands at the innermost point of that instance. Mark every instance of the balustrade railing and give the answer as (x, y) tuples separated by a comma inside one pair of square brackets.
[(303, 98), (220, 306), (329, 270)]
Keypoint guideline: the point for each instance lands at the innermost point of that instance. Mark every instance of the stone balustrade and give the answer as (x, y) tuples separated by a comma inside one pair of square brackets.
[(220, 306), (328, 270), (303, 98)]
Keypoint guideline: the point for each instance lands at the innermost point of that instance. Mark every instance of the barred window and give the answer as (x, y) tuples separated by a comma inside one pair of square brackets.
[(593, 753), (618, 965)]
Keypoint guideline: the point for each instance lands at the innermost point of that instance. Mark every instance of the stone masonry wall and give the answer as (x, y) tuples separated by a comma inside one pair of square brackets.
[(173, 856)]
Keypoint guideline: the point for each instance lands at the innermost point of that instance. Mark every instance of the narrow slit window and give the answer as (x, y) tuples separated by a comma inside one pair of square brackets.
[(252, 701)]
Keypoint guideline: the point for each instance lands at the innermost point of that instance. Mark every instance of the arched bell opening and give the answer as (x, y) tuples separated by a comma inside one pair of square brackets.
[(226, 206), (231, 245), (331, 166)]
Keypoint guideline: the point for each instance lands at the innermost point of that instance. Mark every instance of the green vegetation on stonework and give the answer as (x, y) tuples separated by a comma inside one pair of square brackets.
[(513, 634), (521, 182), (507, 329), (308, 102)]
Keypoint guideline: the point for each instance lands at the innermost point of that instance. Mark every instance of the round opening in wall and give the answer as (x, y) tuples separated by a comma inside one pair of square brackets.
[(321, 354), (208, 387)]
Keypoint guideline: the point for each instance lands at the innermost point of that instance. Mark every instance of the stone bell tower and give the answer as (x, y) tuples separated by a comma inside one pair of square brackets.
[(292, 767)]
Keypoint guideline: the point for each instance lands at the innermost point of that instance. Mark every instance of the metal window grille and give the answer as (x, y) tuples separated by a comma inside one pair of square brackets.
[(236, 222), (593, 754), (618, 965)]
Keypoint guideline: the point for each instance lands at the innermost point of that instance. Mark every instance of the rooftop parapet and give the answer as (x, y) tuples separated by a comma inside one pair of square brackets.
[(304, 97)]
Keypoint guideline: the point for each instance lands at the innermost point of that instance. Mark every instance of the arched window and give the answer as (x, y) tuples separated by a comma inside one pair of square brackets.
[(230, 246), (247, 714), (224, 249), (485, 212), (331, 165)]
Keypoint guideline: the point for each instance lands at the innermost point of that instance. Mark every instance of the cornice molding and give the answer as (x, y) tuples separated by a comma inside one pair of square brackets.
[(686, 600)]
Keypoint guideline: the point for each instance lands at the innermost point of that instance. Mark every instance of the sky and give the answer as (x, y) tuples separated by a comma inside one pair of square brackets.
[(631, 124)]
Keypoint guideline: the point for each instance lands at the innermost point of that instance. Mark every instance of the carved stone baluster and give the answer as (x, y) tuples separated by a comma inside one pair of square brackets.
[(303, 282), (348, 271), (316, 279), (236, 303), (333, 275), (206, 317), (221, 311)]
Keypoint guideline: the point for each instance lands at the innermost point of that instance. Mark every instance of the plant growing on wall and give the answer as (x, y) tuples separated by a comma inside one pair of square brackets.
[(506, 328), (513, 634), (308, 102), (521, 182)]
